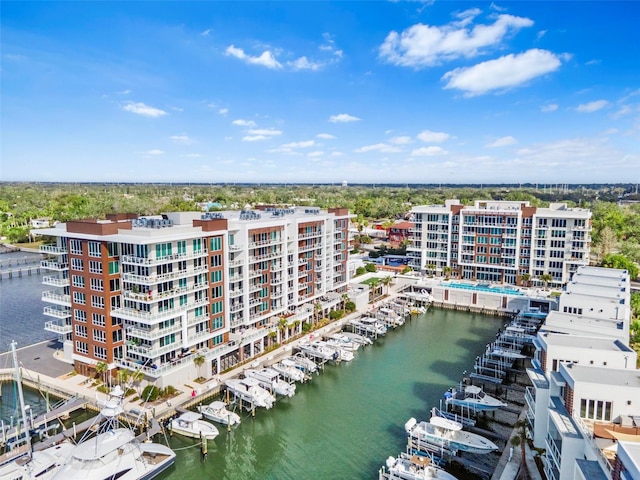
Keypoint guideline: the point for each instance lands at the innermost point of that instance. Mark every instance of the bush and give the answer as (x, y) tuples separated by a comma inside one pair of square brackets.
[(103, 389), (129, 391), (306, 327), (336, 314), (374, 255), (169, 391), (360, 271), (406, 269), (350, 306), (150, 393), (370, 267)]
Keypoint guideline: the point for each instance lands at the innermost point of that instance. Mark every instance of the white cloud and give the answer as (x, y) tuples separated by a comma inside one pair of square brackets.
[(192, 155), (303, 63), (184, 139), (622, 111), (593, 62), (266, 59), (549, 107), (223, 111), (254, 138), (124, 92), (206, 32), (244, 123), (402, 140), (325, 136), (433, 137), (154, 151), (502, 142), (431, 151), (343, 118), (497, 8), (541, 34), (140, 108), (304, 144), (336, 154), (315, 154), (501, 73), (426, 45), (592, 106), (378, 147), (265, 131)]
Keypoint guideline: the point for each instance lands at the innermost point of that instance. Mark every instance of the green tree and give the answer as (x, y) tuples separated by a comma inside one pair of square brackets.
[(525, 279), (386, 281), (520, 439), (447, 272), (546, 278), (431, 268), (123, 376), (370, 267), (101, 369), (620, 262), (199, 360)]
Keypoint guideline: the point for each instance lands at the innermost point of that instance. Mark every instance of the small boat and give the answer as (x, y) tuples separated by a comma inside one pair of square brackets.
[(344, 342), (345, 354), (249, 390), (218, 412), (444, 433), (269, 379), (389, 317), (372, 327), (473, 397), (356, 338), (303, 363), (287, 368), (498, 351), (322, 352), (190, 424), (412, 467)]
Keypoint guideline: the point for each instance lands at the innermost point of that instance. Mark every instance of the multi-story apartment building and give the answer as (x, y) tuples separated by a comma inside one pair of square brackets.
[(501, 241), (585, 382), (148, 292)]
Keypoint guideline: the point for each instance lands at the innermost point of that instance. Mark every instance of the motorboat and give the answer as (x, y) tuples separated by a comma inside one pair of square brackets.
[(217, 412), (323, 352), (191, 424), (114, 452), (287, 368), (441, 432), (412, 467), (270, 380), (500, 351), (518, 334), (249, 390), (389, 317), (346, 355), (303, 363), (345, 342), (472, 397), (32, 465), (370, 326), (357, 338)]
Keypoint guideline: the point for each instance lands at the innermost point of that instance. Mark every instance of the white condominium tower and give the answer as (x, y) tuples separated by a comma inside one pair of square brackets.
[(500, 241), (148, 292)]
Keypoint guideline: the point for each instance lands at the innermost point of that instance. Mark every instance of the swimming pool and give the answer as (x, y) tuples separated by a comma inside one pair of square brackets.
[(483, 287)]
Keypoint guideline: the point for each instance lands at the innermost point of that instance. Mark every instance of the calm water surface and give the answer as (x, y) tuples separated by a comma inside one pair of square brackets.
[(350, 418)]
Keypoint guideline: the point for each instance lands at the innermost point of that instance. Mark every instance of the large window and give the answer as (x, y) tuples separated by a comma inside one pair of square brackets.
[(99, 335), (75, 246), (77, 281), (81, 347), (100, 352), (97, 284), (94, 249), (80, 298), (95, 267), (77, 264), (215, 244), (595, 409)]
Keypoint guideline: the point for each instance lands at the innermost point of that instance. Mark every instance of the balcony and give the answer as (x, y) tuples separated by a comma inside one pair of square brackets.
[(153, 279), (256, 287), (201, 336), (57, 327), (237, 262), (316, 233), (155, 317), (530, 398), (52, 250), (236, 292), (264, 243), (133, 260), (266, 256), (152, 352), (55, 281), (236, 307), (236, 248), (57, 266), (255, 301), (308, 248), (57, 312), (151, 333), (57, 298), (199, 319), (154, 297)]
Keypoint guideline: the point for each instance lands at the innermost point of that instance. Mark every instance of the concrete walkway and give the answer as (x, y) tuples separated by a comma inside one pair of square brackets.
[(509, 463)]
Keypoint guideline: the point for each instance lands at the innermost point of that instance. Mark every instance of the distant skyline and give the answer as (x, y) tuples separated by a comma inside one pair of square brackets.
[(318, 92)]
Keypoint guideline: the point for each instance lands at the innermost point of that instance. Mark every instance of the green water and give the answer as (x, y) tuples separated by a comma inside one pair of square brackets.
[(350, 418)]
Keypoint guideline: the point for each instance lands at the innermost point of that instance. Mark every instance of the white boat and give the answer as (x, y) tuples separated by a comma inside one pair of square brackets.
[(389, 317), (322, 352), (414, 467), (473, 397), (498, 351), (249, 390), (287, 368), (191, 424), (114, 451), (357, 338), (217, 412), (344, 342), (372, 327), (303, 363), (444, 433), (270, 380), (345, 354)]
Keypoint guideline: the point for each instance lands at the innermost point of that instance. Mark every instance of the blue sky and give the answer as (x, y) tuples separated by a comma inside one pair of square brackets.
[(418, 92)]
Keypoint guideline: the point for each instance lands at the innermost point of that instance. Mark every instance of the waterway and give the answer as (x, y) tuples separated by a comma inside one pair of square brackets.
[(350, 418)]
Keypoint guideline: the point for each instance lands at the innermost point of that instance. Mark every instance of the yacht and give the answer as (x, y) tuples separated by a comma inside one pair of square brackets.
[(249, 390), (190, 424), (323, 352), (114, 452), (412, 467), (356, 338), (270, 380), (389, 317), (346, 355), (287, 368), (217, 412), (472, 397), (444, 433), (372, 327), (344, 342)]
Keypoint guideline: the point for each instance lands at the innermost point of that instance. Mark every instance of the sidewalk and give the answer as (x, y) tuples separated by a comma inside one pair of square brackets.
[(509, 463)]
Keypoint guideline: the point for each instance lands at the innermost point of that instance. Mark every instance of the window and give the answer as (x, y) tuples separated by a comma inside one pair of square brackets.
[(216, 260), (217, 340), (94, 249), (595, 409), (112, 249), (182, 247), (215, 244), (114, 285), (99, 335), (97, 301), (216, 292), (97, 319), (168, 340), (197, 244), (116, 336), (97, 284), (80, 298), (81, 347), (79, 315), (218, 322), (95, 267), (75, 247), (114, 267), (100, 352), (77, 281), (216, 307), (216, 276), (77, 264), (81, 331)]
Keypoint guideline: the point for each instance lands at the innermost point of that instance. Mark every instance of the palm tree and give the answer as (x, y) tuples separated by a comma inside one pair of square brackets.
[(386, 281), (317, 307), (345, 299), (546, 278), (282, 326), (431, 268), (123, 376), (447, 272), (136, 377), (525, 279), (373, 284), (520, 439), (199, 360), (272, 336), (101, 369)]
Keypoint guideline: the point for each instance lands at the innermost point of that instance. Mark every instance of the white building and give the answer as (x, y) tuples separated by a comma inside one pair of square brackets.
[(501, 241)]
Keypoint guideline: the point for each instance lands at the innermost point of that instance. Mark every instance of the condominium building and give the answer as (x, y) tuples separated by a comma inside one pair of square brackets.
[(586, 388), (148, 292), (501, 241)]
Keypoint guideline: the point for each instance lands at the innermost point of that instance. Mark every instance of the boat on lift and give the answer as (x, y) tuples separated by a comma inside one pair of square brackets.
[(270, 380), (191, 424), (249, 390), (472, 397), (287, 368), (345, 354), (443, 433), (357, 338), (217, 412), (322, 352), (413, 467)]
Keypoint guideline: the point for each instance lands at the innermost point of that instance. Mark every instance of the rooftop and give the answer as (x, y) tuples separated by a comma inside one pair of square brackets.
[(591, 469), (585, 342), (600, 375), (562, 420)]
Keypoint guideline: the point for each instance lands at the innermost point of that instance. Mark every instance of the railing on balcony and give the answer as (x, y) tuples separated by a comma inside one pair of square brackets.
[(316, 233), (152, 279), (49, 265), (151, 333), (174, 292), (57, 312), (199, 319), (236, 307), (530, 398), (587, 433), (55, 281), (152, 352), (131, 259), (57, 327), (200, 336), (51, 296), (155, 316), (53, 250), (307, 248), (263, 243)]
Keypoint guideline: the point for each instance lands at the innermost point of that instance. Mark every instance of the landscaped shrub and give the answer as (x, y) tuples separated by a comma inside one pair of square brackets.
[(350, 306), (150, 393)]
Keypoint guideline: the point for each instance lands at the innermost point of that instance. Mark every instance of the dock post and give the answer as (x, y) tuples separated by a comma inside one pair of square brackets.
[(203, 446), (253, 410), (229, 422), (74, 430)]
